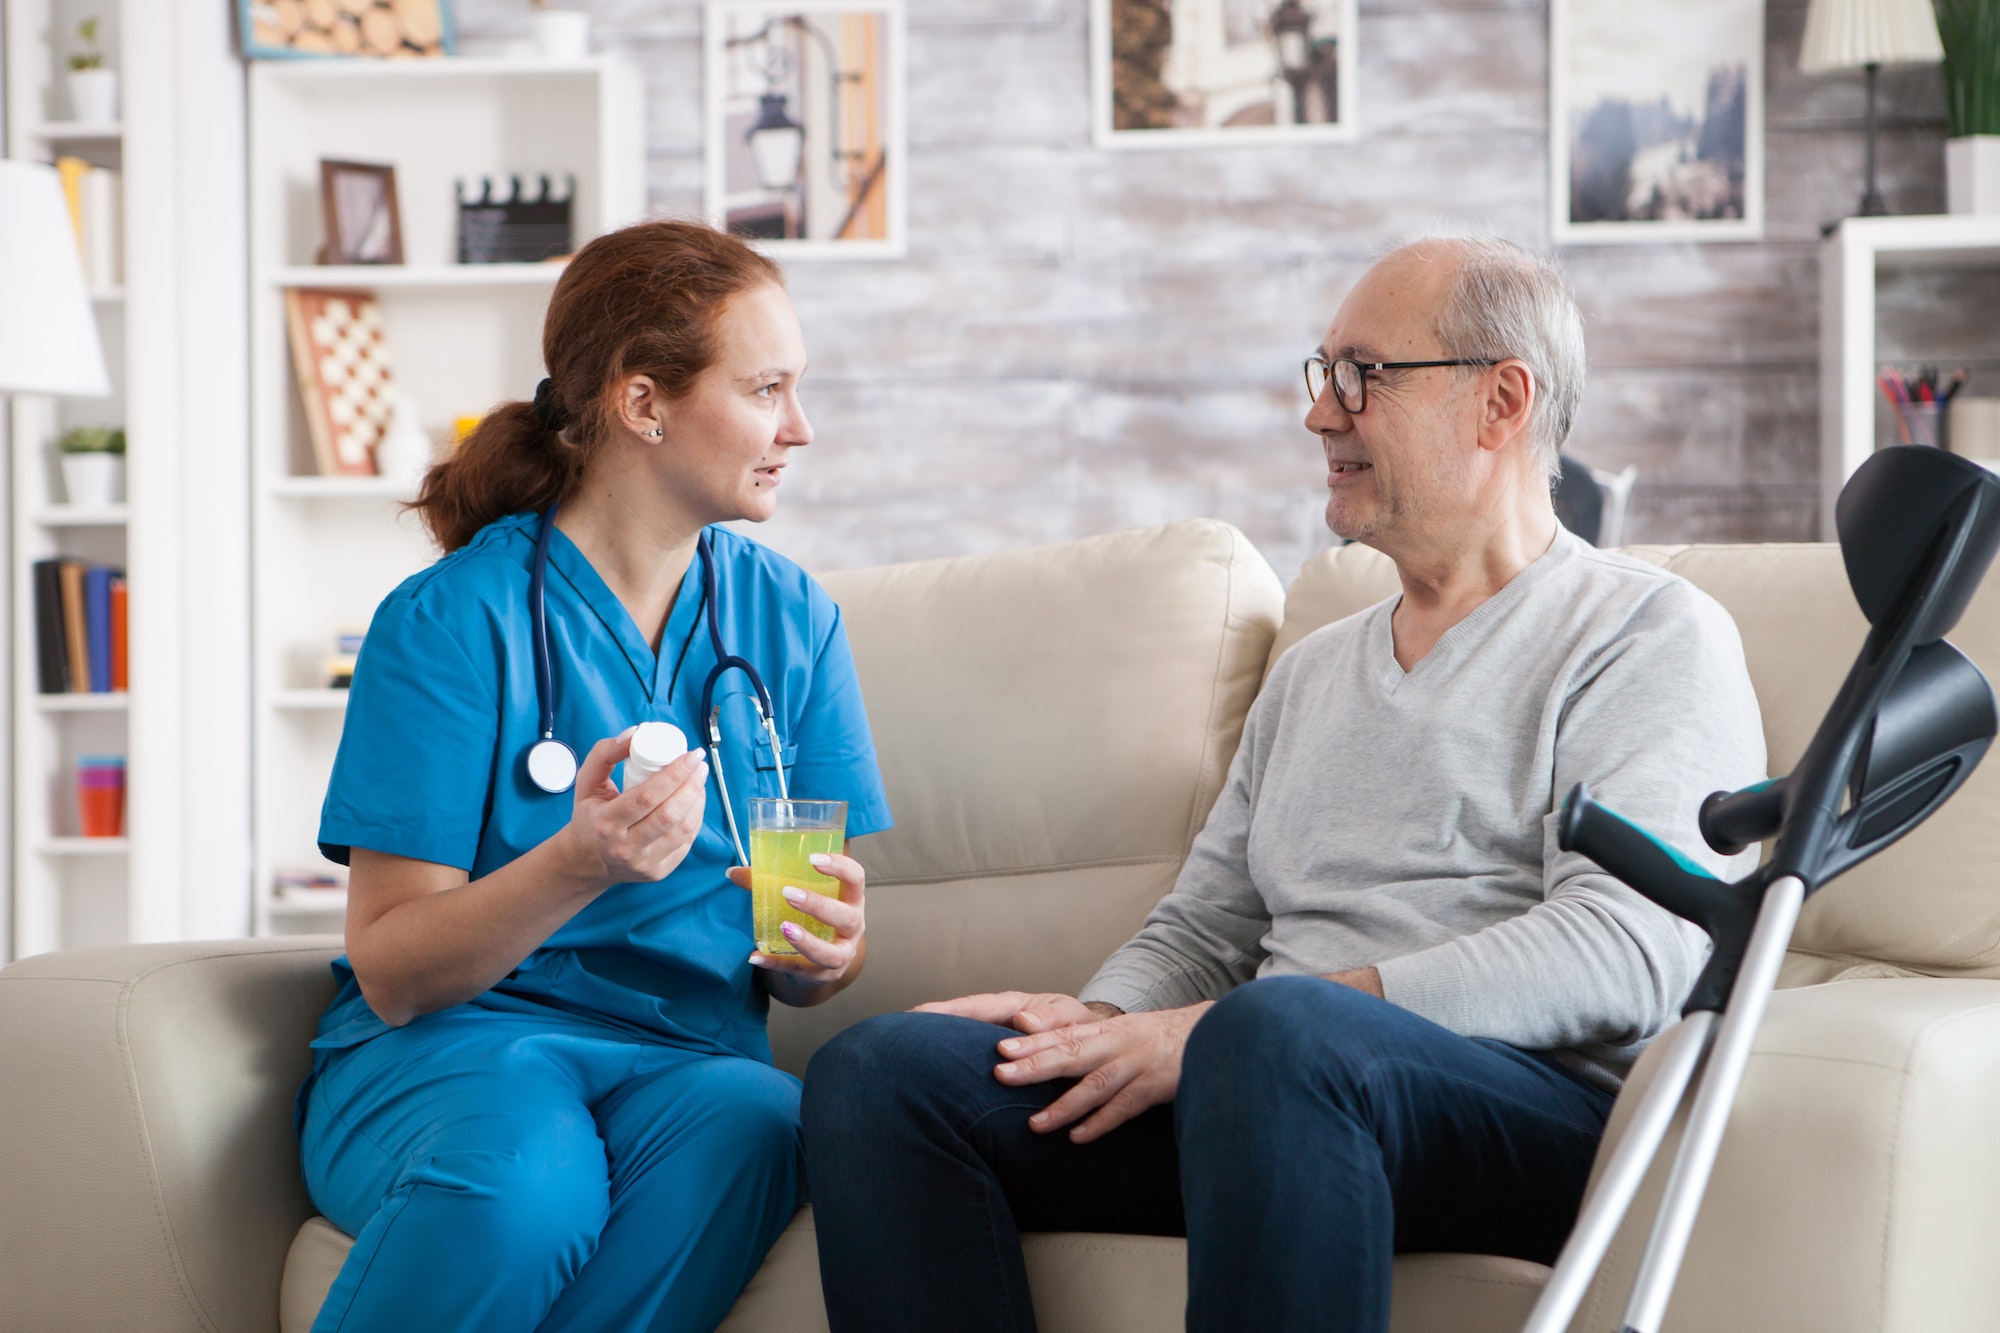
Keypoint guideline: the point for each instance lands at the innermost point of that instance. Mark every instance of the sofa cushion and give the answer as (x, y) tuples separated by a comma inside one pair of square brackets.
[(1053, 724), (1925, 905), (1086, 1282), (151, 1175), (1082, 1282)]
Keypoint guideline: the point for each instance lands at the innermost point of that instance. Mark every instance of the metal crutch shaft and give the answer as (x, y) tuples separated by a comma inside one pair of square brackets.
[(1589, 1241), (1713, 1098)]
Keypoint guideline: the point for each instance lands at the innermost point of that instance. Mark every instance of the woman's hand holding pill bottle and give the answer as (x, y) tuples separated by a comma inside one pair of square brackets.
[(643, 833)]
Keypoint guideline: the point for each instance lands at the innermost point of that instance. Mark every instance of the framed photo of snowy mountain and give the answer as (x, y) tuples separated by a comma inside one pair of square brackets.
[(1656, 120)]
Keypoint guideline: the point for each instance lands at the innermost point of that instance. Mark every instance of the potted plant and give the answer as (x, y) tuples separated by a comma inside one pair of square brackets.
[(1970, 31), (561, 34), (93, 89), (93, 466)]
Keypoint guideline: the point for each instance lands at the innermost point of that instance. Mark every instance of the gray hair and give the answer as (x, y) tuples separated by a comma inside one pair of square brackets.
[(1507, 301)]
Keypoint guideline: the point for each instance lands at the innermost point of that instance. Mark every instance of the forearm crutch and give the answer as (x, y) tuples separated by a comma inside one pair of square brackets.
[(1918, 528)]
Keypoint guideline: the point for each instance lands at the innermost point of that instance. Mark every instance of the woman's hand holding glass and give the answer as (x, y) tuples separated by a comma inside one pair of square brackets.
[(827, 964), (641, 835)]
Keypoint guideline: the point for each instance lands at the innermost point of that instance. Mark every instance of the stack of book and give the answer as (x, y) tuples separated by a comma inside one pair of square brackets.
[(80, 637), (96, 207), (311, 888)]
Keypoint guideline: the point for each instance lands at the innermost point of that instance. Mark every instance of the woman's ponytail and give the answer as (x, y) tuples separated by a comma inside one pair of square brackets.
[(512, 461), (642, 300)]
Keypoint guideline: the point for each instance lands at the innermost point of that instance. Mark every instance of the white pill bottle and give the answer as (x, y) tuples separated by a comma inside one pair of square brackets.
[(654, 746)]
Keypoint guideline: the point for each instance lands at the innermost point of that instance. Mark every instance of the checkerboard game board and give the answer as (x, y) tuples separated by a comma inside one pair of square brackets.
[(345, 379)]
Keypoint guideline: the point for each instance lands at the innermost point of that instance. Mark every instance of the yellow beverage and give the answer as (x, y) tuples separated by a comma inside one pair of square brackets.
[(778, 858)]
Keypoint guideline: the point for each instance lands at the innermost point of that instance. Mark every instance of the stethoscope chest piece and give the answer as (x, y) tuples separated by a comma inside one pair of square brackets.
[(552, 766)]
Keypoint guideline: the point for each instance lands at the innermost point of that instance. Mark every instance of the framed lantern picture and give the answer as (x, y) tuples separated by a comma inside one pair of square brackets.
[(1175, 73), (1656, 119), (804, 118)]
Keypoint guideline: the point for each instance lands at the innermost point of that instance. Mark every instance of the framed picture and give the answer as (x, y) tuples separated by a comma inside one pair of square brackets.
[(346, 384), (1175, 73), (806, 153), (313, 29), (358, 203), (1656, 119)]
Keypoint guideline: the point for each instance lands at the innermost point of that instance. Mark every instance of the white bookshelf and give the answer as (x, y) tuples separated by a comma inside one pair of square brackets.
[(172, 331), (1860, 251), (461, 337)]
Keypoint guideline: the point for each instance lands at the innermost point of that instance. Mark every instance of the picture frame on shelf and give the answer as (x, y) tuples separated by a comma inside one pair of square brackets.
[(1242, 71), (1656, 120), (806, 151), (352, 29), (346, 383), (364, 224)]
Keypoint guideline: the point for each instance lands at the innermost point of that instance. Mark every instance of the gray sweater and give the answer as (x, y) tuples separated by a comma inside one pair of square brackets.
[(1407, 821)]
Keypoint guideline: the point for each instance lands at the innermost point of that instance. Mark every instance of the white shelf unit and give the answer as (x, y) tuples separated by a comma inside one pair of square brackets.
[(1852, 260), (461, 338), (67, 890)]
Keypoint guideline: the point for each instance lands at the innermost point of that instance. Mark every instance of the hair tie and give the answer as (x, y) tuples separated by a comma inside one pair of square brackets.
[(546, 406)]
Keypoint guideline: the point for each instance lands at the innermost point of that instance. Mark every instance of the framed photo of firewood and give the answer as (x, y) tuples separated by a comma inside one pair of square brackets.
[(316, 29)]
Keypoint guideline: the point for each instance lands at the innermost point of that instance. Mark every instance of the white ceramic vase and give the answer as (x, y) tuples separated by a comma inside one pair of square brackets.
[(94, 481), (562, 34), (93, 95), (1972, 174)]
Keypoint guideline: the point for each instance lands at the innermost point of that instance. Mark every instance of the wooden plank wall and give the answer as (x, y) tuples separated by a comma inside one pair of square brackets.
[(1081, 341)]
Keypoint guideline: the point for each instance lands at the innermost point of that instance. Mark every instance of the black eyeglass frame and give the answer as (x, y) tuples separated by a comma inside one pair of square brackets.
[(1361, 370)]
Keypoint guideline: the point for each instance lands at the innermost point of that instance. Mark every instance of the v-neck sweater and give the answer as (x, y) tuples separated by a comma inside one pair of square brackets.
[(1406, 820)]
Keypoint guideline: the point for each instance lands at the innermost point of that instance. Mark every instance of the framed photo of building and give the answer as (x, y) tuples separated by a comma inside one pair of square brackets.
[(1656, 120), (1177, 73), (806, 153)]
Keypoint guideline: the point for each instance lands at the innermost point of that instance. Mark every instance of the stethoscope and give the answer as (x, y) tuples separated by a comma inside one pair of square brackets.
[(552, 765)]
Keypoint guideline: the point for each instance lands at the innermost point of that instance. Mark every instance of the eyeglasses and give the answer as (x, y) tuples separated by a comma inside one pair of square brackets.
[(1350, 378)]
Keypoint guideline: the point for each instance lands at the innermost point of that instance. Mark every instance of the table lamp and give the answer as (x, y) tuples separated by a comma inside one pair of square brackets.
[(48, 336), (1845, 34)]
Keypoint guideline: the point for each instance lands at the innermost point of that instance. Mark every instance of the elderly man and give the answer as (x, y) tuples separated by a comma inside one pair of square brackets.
[(1380, 1010)]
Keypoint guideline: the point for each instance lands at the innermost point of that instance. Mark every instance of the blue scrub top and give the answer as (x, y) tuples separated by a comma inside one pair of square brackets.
[(432, 765)]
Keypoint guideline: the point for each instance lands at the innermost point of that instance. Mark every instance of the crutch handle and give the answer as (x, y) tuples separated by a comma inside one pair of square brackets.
[(1732, 820)]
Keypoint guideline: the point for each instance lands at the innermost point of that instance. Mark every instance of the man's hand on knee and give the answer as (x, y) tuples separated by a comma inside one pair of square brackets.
[(1123, 1066), (1021, 1010)]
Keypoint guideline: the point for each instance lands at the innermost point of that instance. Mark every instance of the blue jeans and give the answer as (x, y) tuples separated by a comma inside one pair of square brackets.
[(1318, 1132)]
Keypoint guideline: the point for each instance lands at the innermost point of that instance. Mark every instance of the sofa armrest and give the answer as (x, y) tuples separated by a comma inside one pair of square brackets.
[(1858, 1185), (152, 1178)]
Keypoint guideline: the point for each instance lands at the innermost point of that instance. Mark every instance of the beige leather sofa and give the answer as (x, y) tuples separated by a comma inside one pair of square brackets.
[(1053, 725)]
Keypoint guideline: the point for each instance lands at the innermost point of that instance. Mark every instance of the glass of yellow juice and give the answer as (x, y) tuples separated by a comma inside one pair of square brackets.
[(784, 835)]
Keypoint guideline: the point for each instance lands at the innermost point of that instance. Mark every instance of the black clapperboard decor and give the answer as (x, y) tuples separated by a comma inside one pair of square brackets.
[(501, 222)]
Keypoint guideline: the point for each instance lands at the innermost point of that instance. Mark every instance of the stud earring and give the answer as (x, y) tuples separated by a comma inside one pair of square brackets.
[(656, 432)]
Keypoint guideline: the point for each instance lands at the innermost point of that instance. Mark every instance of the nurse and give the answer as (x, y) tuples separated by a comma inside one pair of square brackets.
[(543, 1098)]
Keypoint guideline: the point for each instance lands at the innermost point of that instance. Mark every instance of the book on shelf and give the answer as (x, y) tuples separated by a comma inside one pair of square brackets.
[(323, 890), (96, 202), (81, 630)]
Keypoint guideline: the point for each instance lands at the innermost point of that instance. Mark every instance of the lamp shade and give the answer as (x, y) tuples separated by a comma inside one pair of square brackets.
[(48, 336), (1847, 34)]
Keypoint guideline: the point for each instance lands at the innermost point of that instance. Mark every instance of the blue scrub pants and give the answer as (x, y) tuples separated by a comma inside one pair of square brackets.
[(1317, 1132), (502, 1171)]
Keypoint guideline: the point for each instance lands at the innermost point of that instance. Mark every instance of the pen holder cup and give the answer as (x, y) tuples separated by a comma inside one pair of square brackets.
[(1925, 423)]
